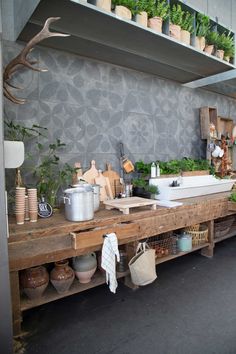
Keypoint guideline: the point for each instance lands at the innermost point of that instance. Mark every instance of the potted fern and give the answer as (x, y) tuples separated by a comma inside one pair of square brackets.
[(125, 8), (103, 4), (211, 41), (186, 27), (176, 19), (158, 11), (141, 16), (202, 28), (220, 46), (229, 48)]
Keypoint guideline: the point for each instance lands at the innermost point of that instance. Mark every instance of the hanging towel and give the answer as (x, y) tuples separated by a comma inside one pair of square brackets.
[(109, 254)]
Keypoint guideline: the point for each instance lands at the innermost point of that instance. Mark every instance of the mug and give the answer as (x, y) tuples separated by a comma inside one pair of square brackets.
[(217, 152)]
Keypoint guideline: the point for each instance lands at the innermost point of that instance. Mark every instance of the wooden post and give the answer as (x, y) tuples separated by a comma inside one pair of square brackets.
[(15, 298), (209, 251)]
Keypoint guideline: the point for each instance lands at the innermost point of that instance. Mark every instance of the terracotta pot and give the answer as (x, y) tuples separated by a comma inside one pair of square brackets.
[(142, 18), (175, 31), (185, 37), (123, 12), (62, 276), (155, 23), (104, 4), (219, 54), (85, 266), (34, 281), (209, 48), (226, 58), (200, 43)]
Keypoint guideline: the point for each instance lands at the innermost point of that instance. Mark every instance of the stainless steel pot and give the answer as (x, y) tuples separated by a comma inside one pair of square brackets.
[(96, 193), (79, 203)]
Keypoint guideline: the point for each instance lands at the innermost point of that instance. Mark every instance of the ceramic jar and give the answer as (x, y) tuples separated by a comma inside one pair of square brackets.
[(85, 266), (34, 281), (62, 276)]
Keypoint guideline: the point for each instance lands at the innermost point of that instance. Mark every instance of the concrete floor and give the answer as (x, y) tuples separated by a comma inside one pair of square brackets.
[(190, 309)]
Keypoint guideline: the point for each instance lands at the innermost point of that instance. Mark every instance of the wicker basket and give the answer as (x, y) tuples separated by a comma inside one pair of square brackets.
[(199, 237), (164, 244), (195, 227)]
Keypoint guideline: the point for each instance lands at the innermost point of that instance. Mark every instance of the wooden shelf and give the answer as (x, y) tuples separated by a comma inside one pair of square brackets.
[(230, 234), (104, 36), (172, 256), (51, 294)]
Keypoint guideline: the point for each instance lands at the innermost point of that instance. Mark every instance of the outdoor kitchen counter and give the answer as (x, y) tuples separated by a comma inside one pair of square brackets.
[(50, 240), (54, 239)]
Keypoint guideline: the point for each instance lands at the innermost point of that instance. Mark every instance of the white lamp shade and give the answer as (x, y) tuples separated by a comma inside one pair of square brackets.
[(14, 153)]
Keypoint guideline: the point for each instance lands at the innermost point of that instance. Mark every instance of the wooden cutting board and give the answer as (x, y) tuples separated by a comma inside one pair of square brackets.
[(89, 176), (114, 179), (124, 204), (101, 180)]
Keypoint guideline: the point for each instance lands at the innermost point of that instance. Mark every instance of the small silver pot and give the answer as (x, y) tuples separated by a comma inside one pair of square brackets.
[(79, 203)]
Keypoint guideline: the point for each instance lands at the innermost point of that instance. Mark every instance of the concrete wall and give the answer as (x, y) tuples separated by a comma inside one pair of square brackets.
[(91, 106)]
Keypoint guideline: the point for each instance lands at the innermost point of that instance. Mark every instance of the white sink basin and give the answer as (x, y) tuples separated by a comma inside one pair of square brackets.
[(190, 186)]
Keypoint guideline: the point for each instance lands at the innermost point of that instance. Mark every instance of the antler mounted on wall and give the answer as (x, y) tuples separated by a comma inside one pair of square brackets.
[(21, 59)]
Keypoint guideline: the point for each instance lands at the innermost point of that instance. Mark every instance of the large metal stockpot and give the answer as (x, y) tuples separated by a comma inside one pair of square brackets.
[(96, 193), (79, 203)]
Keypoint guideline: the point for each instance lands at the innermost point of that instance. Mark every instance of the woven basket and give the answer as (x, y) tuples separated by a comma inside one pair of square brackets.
[(199, 237), (195, 227)]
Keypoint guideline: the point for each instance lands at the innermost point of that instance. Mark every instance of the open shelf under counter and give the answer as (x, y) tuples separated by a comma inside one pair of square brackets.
[(172, 256), (51, 294), (225, 237)]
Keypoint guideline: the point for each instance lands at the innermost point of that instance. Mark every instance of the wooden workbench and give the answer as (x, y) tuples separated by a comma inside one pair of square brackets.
[(54, 239)]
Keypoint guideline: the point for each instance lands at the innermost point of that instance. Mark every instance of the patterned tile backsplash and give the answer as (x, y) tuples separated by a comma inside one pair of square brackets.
[(91, 106)]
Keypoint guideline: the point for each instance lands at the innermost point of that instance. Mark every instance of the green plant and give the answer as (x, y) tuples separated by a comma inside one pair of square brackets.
[(130, 4), (202, 25), (232, 197), (176, 15), (158, 8), (226, 43), (51, 176), (142, 183), (18, 132), (142, 5), (212, 37), (187, 22), (143, 168)]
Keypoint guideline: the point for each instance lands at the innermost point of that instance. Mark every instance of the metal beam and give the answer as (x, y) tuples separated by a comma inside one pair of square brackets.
[(213, 79), (5, 295)]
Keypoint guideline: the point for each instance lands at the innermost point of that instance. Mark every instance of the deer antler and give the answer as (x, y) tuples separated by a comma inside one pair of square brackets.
[(21, 59)]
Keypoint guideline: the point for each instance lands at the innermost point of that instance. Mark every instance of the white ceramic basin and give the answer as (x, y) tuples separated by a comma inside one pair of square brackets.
[(190, 186)]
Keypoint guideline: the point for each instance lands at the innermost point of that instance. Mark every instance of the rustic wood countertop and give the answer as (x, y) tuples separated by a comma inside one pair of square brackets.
[(50, 239)]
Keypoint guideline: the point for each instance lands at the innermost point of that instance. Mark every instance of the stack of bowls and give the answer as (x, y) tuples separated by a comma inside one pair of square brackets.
[(20, 205), (33, 204)]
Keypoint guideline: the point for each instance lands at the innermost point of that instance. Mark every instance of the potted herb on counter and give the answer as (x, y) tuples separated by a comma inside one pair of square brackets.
[(141, 188), (51, 176)]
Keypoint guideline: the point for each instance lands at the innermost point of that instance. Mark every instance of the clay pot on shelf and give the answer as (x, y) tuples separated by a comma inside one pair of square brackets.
[(155, 23), (85, 266), (219, 54), (123, 12), (34, 281), (209, 49), (185, 37), (200, 43), (142, 18), (175, 31), (103, 4), (62, 276)]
